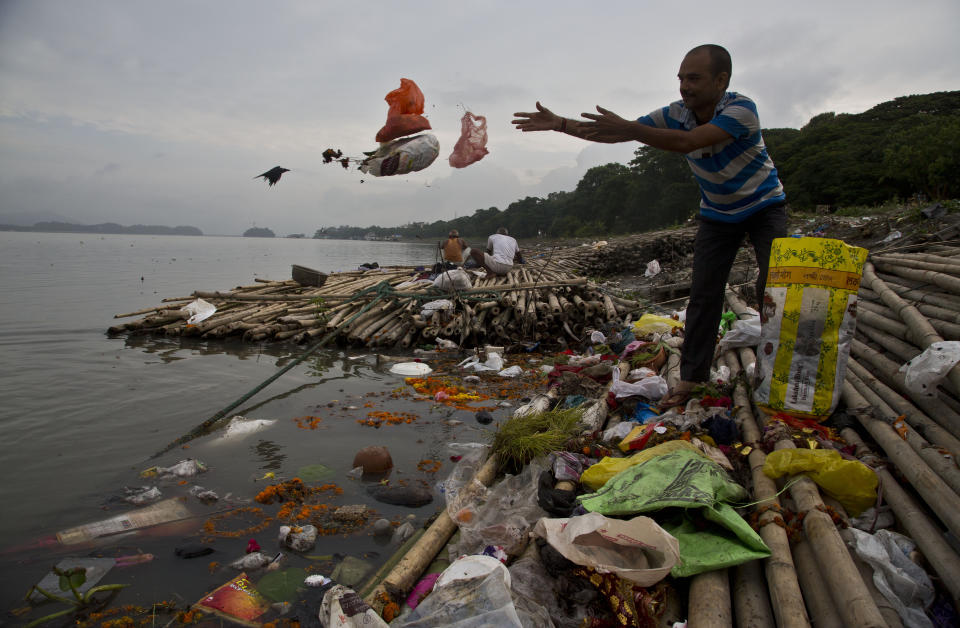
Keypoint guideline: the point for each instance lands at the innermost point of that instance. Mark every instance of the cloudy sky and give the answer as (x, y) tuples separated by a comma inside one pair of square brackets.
[(163, 112)]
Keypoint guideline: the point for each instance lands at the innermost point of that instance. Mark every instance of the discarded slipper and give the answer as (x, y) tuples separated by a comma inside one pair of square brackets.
[(678, 396)]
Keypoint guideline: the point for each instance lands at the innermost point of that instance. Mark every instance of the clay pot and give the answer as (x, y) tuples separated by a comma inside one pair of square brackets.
[(373, 459), (657, 360)]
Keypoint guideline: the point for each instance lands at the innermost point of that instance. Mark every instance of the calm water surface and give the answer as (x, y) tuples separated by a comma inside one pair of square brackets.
[(82, 413)]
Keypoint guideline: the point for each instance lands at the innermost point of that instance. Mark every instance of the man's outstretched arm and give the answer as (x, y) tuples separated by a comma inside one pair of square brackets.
[(608, 128)]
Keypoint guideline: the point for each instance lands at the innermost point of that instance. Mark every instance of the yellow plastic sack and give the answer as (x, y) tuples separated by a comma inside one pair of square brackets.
[(809, 319), (850, 482), (599, 474), (650, 323)]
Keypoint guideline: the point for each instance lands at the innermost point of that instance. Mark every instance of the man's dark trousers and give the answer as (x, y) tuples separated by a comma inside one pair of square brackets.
[(715, 248)]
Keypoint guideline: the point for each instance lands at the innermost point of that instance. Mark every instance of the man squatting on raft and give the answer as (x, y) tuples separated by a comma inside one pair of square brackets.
[(719, 133), (502, 252)]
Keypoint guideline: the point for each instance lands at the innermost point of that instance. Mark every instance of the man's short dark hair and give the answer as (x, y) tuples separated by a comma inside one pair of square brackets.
[(719, 59), (502, 231)]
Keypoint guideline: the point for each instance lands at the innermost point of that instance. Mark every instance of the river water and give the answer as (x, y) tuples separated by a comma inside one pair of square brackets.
[(82, 413)]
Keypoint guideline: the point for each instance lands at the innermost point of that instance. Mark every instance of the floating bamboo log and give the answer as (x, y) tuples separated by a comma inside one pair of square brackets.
[(710, 600)]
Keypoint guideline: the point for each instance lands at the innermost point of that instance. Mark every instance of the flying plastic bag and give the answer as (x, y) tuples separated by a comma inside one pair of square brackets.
[(924, 372), (850, 482), (636, 549), (809, 319), (472, 145), (403, 118), (407, 154)]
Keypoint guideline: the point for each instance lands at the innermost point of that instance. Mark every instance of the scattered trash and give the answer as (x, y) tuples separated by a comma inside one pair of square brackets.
[(236, 600), (204, 495), (410, 369), (96, 569), (653, 269), (239, 427), (299, 538), (923, 373), (893, 235), (252, 561), (166, 511), (142, 495), (199, 310)]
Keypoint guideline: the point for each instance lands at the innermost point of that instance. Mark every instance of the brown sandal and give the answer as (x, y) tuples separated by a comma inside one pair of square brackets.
[(678, 396)]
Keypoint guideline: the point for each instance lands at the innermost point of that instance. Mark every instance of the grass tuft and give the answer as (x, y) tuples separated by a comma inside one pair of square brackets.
[(521, 439)]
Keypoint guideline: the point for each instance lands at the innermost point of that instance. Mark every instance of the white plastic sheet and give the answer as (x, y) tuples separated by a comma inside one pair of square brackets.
[(743, 333), (432, 306), (653, 269), (901, 581), (456, 279), (924, 372), (653, 387), (199, 310), (494, 362), (410, 369), (511, 371)]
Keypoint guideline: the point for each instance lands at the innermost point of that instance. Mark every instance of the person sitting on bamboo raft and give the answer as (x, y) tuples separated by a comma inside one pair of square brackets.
[(740, 193), (454, 248), (501, 254)]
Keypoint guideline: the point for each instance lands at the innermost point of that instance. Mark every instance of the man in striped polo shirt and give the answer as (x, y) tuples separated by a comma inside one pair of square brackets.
[(719, 133)]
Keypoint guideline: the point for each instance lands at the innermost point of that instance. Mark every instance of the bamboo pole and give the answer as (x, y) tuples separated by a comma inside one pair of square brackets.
[(941, 499), (751, 603), (816, 593), (709, 604), (785, 595), (919, 421), (402, 578), (924, 273), (889, 373), (925, 533), (850, 595)]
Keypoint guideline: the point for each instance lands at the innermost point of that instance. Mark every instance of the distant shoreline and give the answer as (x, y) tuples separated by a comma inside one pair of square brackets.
[(104, 228)]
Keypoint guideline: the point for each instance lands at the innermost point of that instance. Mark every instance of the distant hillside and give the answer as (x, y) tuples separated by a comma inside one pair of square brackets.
[(107, 227)]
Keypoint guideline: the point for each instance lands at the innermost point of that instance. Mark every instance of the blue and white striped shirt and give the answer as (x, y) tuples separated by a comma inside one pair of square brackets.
[(737, 177)]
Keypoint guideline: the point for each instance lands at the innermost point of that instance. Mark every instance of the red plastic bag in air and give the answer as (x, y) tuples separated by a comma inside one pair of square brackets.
[(472, 145), (403, 118)]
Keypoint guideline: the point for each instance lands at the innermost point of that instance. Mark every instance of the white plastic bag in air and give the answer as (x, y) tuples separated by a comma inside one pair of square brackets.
[(924, 372), (403, 155), (653, 269)]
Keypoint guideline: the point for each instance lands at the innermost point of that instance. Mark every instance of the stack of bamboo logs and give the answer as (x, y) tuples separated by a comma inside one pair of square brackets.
[(543, 300)]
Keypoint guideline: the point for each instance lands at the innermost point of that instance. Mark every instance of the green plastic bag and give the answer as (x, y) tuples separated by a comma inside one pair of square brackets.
[(691, 496), (850, 482)]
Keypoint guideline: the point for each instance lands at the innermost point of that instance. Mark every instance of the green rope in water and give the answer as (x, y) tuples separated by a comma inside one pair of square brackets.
[(202, 429)]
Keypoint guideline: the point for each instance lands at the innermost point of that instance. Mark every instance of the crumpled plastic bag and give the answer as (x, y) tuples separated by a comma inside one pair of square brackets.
[(401, 156), (653, 269), (650, 323), (744, 332), (456, 279), (595, 476), (494, 362), (923, 373), (504, 514), (653, 387), (440, 304), (471, 603), (636, 549), (901, 581), (199, 310), (403, 117), (343, 608), (692, 496), (472, 145), (850, 482), (511, 371)]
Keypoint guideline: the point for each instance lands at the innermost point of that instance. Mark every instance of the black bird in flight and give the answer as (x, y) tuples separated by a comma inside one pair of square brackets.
[(272, 175)]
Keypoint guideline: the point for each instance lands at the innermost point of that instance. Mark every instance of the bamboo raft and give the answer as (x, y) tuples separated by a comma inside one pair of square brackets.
[(542, 301)]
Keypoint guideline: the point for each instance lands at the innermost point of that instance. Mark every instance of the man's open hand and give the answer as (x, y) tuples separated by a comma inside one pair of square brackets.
[(607, 126), (540, 120)]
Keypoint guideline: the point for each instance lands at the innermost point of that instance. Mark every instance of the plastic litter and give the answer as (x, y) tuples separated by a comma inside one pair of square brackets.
[(512, 371), (893, 235), (199, 310), (402, 156), (494, 362), (253, 560), (239, 427), (473, 603), (651, 323), (236, 600), (850, 482), (902, 582), (924, 372), (164, 511), (636, 549), (430, 307), (456, 279), (300, 541), (96, 569), (744, 332), (653, 387), (472, 144), (183, 469), (403, 118), (410, 369), (343, 608), (653, 269), (142, 495), (472, 566)]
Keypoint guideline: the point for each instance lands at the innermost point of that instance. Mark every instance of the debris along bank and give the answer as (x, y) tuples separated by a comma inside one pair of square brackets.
[(758, 539)]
